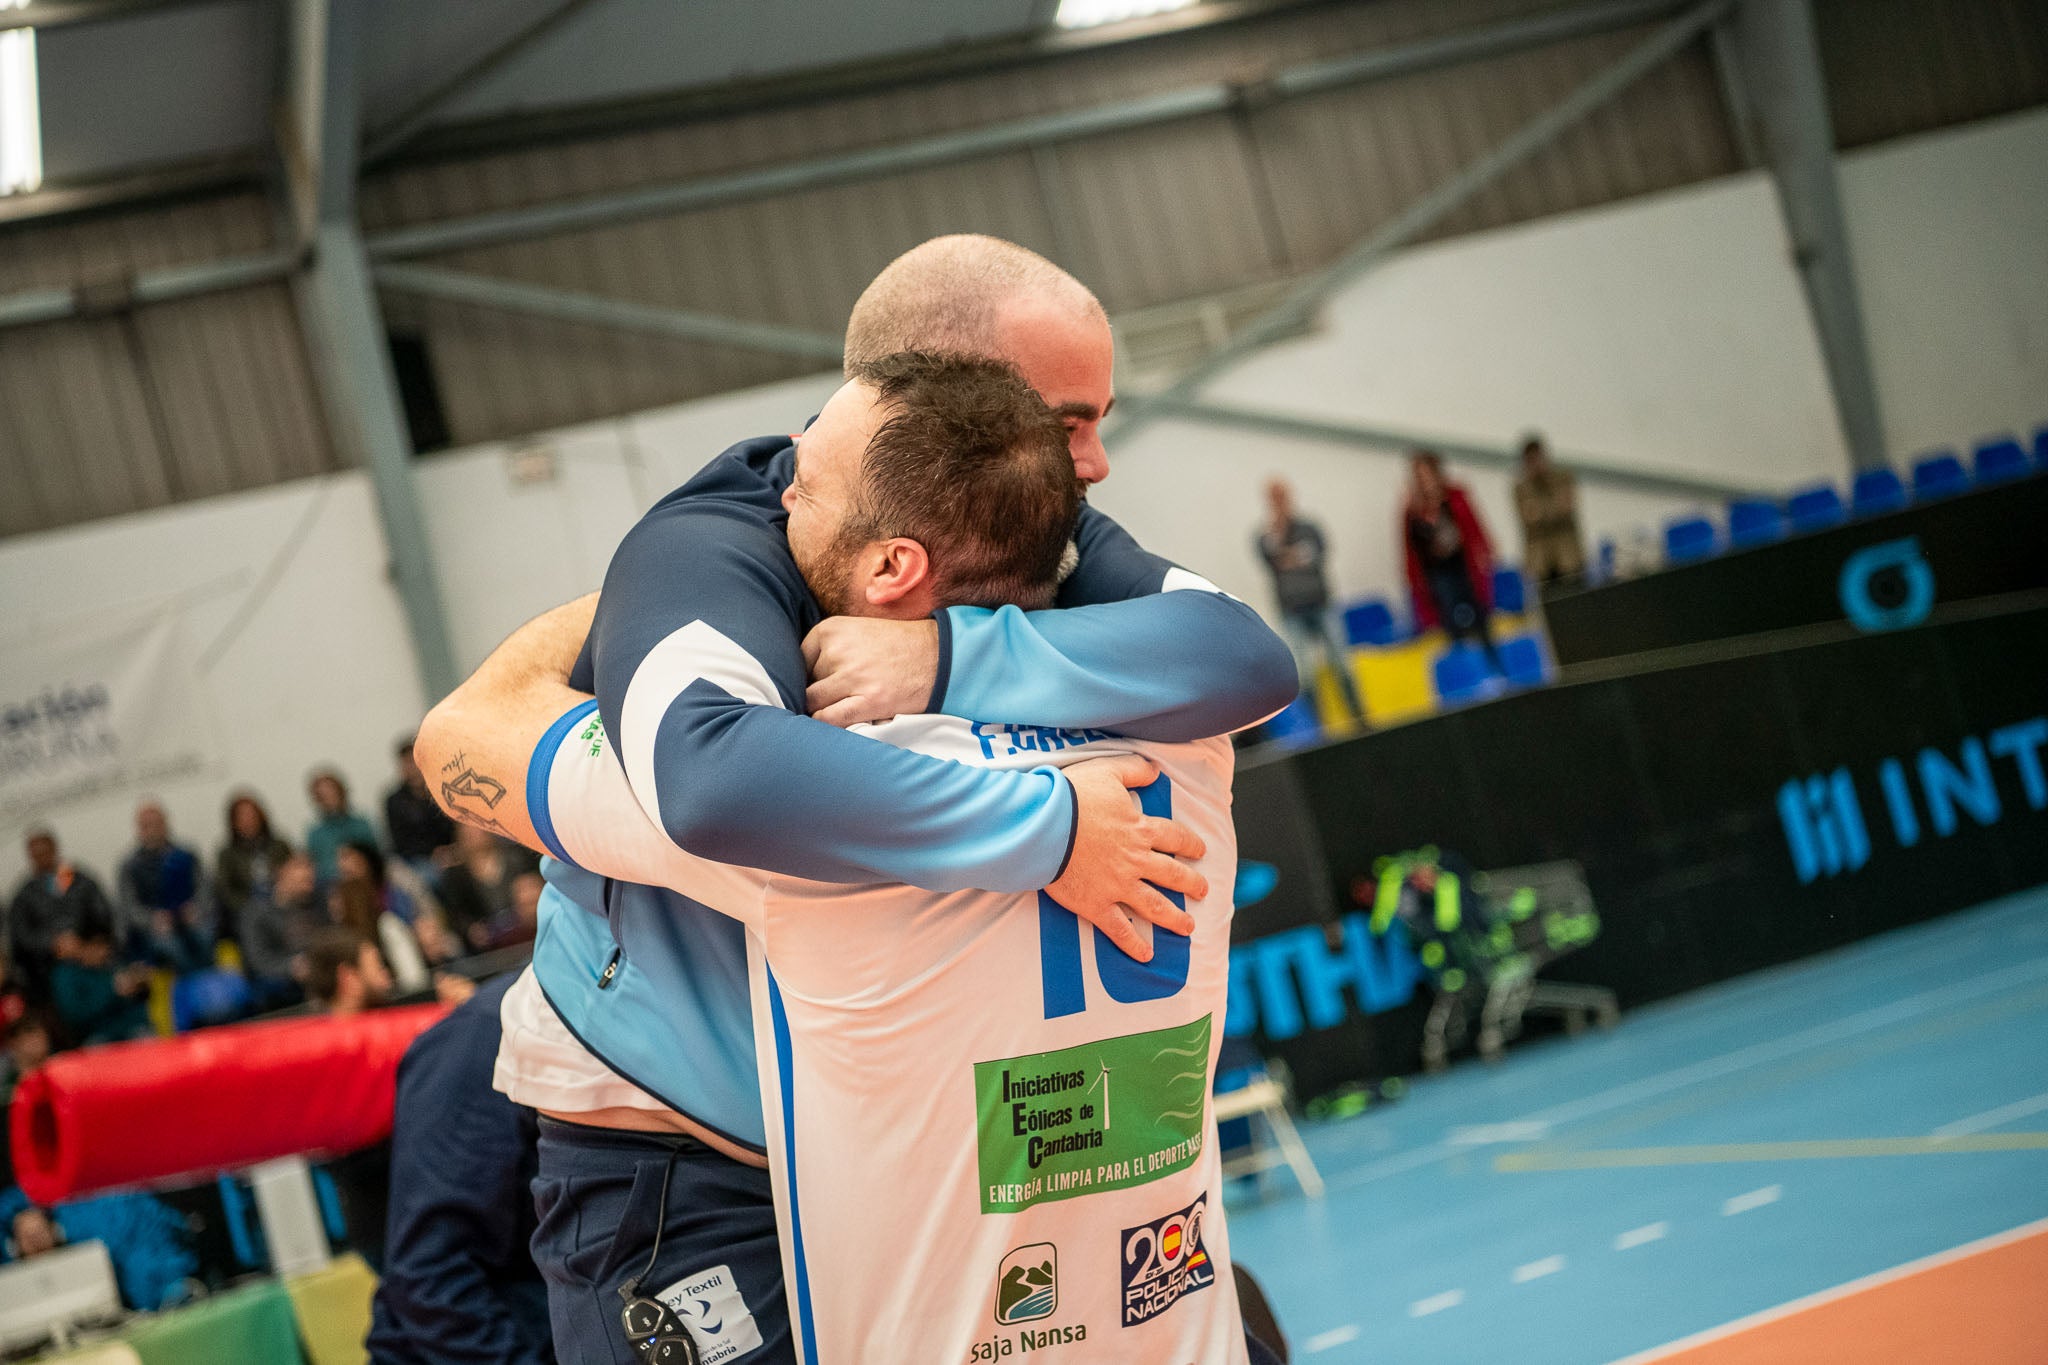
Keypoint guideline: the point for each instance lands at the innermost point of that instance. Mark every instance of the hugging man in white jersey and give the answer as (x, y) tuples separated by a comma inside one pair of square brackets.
[(990, 1129)]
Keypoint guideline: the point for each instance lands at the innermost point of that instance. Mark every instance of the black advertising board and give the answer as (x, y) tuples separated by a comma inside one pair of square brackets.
[(1885, 572), (1730, 814)]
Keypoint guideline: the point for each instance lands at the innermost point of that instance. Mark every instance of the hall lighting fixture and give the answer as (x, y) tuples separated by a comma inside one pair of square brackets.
[(21, 123), (1088, 13)]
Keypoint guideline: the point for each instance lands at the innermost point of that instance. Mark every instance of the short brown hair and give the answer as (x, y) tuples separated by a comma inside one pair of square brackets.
[(972, 465), (328, 951)]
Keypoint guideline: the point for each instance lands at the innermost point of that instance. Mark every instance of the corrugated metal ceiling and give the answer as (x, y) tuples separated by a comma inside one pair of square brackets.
[(131, 410)]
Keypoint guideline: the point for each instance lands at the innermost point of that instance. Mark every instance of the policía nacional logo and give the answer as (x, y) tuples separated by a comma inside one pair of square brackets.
[(1028, 1284), (1164, 1261)]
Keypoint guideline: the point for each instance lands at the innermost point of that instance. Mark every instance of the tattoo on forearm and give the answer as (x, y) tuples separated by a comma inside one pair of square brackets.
[(463, 788)]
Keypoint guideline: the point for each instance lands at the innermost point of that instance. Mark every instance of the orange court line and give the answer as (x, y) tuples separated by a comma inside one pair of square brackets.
[(1980, 1304)]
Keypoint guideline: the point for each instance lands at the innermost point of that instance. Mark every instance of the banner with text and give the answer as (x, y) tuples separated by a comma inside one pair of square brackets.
[(90, 714)]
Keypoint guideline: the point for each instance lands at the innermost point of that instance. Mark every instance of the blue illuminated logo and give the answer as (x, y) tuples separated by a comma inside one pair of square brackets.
[(1289, 983), (1888, 586), (1823, 814)]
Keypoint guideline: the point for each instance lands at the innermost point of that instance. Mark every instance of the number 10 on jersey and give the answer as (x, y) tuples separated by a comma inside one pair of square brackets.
[(1125, 978)]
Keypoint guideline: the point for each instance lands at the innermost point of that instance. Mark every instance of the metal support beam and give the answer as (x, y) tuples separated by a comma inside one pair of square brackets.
[(202, 175), (1294, 311), (338, 309), (1781, 70), (1592, 468), (389, 137), (162, 285), (569, 306), (1473, 45), (54, 14), (1022, 134), (540, 220), (1742, 125)]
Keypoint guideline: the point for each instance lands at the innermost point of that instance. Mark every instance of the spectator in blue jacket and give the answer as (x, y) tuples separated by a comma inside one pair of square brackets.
[(164, 899), (147, 1241), (459, 1283)]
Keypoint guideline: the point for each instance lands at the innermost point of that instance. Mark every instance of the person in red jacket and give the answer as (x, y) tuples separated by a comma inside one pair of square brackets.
[(1450, 559)]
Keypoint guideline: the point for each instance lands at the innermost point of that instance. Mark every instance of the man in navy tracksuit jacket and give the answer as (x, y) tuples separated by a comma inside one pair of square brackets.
[(459, 1280)]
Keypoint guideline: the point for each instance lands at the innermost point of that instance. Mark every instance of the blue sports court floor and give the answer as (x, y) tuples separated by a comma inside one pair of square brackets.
[(1714, 1156)]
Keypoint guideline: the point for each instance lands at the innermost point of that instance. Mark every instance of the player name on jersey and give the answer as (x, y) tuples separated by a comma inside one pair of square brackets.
[(1100, 1116)]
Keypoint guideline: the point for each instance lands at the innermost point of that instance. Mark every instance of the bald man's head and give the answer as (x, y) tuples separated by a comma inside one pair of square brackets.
[(983, 296)]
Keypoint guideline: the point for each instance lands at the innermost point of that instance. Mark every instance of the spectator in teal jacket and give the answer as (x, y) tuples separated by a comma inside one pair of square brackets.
[(97, 1001), (336, 824)]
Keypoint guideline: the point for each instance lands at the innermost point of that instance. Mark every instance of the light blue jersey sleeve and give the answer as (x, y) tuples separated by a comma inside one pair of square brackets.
[(1136, 645), (697, 664)]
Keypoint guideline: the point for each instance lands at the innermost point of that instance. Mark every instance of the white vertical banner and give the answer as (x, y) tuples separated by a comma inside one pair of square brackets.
[(95, 713)]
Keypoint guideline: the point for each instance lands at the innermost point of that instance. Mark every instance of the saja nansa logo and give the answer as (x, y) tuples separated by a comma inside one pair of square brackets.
[(1828, 832), (1028, 1284)]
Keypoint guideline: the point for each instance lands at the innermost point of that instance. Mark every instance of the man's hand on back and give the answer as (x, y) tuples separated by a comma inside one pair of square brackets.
[(1124, 860), (868, 668)]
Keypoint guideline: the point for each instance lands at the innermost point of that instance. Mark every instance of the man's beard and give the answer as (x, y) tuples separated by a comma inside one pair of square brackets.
[(828, 574)]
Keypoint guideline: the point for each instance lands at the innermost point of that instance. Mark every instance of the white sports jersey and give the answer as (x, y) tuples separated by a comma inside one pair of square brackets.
[(988, 1139)]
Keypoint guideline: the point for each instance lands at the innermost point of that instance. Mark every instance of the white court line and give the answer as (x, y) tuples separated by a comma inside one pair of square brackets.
[(1436, 1303), (1336, 1336), (1714, 1068), (1488, 1134), (1992, 1118), (1840, 1291), (1536, 1270), (1755, 1199), (1642, 1236)]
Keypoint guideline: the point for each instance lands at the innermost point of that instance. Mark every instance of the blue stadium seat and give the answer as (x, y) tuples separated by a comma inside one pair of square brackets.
[(1752, 521), (2041, 446), (1462, 673), (2000, 459), (1877, 491), (215, 996), (1816, 508), (1510, 591), (1939, 475), (1690, 538), (1294, 726), (1522, 657), (1371, 622)]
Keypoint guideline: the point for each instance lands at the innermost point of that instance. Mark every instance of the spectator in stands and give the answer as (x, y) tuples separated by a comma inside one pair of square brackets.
[(163, 898), (13, 1004), (356, 904), (335, 824), (246, 863), (523, 922), (1450, 560), (459, 1283), (28, 1046), (399, 890), (55, 897), (421, 832), (1292, 547), (277, 925), (345, 974), (149, 1244), (97, 999), (1547, 500), (477, 890)]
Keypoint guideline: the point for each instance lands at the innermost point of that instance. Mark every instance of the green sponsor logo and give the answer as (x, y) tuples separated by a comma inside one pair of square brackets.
[(1101, 1116)]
